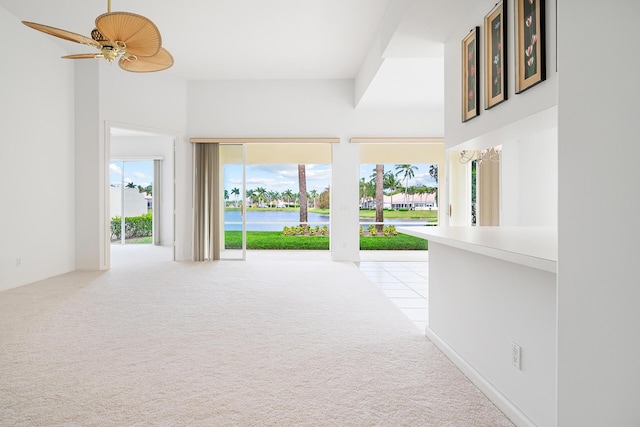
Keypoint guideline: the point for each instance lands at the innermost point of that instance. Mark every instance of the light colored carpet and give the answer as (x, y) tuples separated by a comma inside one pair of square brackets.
[(277, 340)]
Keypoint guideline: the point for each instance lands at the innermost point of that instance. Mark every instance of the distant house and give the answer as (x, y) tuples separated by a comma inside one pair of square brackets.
[(416, 202), (135, 202)]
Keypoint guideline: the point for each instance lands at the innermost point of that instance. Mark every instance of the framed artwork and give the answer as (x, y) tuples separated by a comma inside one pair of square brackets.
[(495, 56), (470, 71), (530, 43)]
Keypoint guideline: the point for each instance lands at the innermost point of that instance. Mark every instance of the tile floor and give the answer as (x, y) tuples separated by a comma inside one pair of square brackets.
[(406, 283)]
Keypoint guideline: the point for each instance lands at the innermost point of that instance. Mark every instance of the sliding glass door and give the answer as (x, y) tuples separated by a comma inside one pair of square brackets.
[(132, 201)]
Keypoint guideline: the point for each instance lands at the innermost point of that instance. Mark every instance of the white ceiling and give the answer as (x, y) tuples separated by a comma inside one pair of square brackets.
[(283, 39)]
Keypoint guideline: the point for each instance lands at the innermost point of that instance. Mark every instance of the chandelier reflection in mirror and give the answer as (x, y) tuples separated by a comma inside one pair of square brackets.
[(489, 155)]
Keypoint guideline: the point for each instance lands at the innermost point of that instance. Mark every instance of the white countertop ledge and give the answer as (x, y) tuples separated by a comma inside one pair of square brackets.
[(534, 247)]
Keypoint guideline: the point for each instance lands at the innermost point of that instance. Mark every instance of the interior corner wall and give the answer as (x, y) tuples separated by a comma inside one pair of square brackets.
[(37, 195), (90, 167)]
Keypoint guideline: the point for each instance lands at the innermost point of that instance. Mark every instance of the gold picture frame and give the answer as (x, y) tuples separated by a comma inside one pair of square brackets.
[(470, 70), (530, 43), (495, 56)]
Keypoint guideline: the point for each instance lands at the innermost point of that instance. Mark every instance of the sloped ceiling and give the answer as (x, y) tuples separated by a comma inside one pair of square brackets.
[(284, 39)]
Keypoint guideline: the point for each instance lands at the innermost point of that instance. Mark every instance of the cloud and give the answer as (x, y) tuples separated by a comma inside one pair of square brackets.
[(140, 175), (115, 169), (282, 177)]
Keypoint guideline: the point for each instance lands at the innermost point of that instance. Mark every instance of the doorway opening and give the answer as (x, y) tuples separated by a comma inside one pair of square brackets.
[(140, 195)]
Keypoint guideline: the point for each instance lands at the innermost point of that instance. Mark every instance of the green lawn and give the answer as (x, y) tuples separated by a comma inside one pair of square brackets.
[(136, 240), (275, 240)]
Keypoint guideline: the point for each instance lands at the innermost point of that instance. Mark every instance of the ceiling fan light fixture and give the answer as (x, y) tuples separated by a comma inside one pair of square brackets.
[(131, 38)]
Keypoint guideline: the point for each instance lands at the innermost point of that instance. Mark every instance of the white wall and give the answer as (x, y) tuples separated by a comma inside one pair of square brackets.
[(530, 180), (135, 203), (479, 305), (37, 154), (156, 102), (91, 215), (305, 108), (516, 107), (152, 147), (515, 305), (111, 97), (293, 108), (525, 125), (599, 156)]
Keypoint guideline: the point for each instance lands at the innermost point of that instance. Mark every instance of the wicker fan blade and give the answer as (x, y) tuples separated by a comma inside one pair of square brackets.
[(146, 64), (139, 33), (83, 56), (63, 34)]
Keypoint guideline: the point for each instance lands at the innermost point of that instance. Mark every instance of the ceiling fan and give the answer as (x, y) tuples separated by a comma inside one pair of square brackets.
[(130, 38)]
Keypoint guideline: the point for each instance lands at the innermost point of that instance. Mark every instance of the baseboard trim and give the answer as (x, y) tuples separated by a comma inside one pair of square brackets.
[(499, 399)]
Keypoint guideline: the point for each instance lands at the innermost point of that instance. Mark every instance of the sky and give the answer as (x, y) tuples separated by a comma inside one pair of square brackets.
[(140, 173), (279, 177), (420, 176), (284, 177)]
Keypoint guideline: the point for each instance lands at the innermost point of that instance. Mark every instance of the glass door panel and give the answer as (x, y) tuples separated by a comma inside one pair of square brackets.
[(131, 201), (234, 226)]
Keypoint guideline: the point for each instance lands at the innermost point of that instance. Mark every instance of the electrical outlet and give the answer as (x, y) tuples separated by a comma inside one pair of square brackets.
[(516, 355)]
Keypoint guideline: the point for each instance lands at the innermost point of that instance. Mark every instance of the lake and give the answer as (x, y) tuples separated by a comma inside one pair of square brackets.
[(277, 220)]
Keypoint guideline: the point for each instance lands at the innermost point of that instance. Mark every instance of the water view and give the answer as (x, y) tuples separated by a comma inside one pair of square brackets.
[(277, 220)]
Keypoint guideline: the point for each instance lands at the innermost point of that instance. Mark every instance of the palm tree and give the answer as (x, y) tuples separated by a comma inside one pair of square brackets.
[(391, 184), (261, 193), (379, 196), (407, 171), (226, 196), (131, 185), (302, 184), (363, 190), (314, 197), (236, 192), (273, 198), (433, 171), (288, 194)]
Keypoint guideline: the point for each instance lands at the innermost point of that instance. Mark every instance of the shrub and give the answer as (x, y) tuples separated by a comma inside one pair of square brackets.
[(372, 230), (389, 230), (135, 226)]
